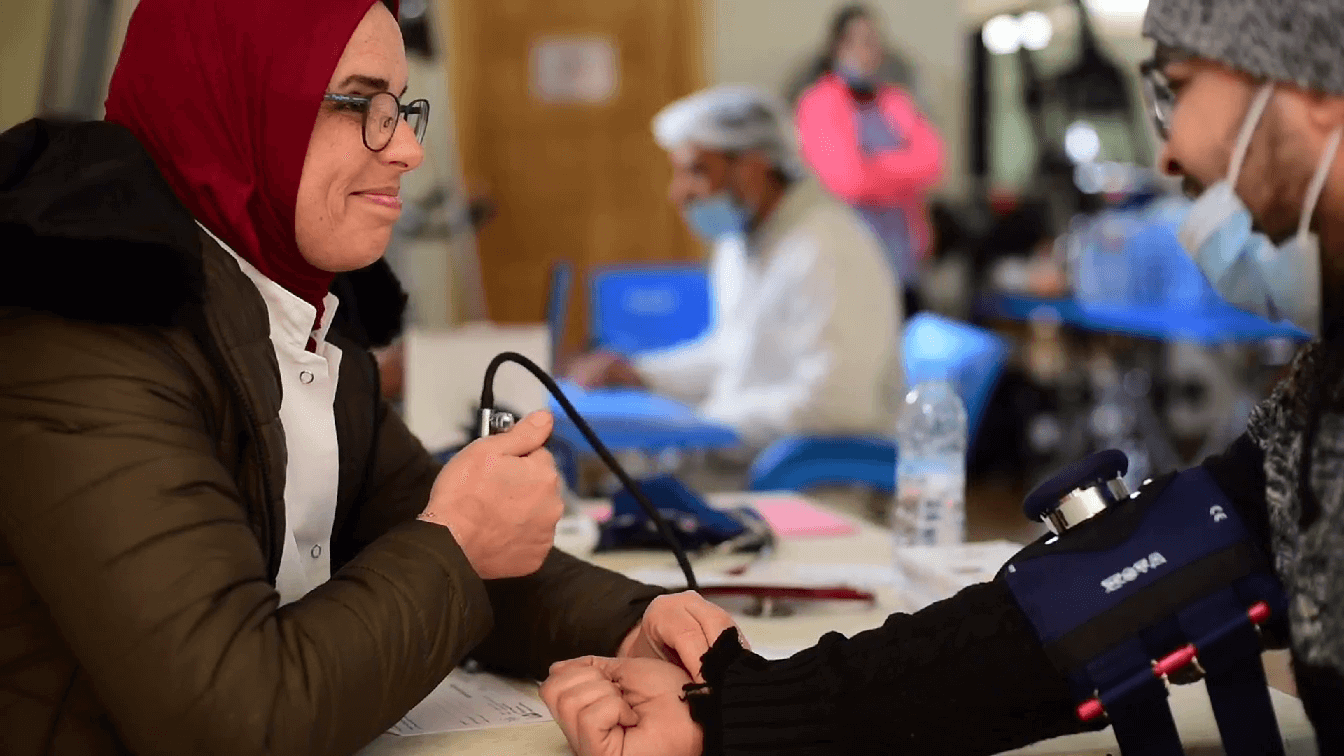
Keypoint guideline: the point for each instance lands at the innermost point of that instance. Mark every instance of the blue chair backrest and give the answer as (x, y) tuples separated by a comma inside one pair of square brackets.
[(641, 309), (804, 463), (1132, 257), (1162, 274), (557, 306), (935, 348)]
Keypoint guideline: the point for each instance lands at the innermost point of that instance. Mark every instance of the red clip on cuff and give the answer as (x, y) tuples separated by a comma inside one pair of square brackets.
[(1092, 708)]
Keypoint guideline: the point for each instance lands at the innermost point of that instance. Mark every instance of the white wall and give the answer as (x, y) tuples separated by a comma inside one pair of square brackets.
[(23, 50), (764, 42)]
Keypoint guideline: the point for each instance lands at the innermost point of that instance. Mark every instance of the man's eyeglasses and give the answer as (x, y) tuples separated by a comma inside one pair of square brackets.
[(382, 112), (1158, 95)]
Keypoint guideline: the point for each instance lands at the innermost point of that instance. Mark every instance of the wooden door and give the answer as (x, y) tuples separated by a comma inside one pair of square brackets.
[(575, 177)]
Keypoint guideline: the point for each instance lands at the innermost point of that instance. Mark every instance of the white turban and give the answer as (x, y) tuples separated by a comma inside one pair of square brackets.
[(732, 118)]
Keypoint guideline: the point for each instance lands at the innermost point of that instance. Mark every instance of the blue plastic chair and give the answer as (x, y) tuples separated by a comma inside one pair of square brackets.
[(641, 309), (1148, 287), (934, 348), (633, 420), (557, 307), (800, 464)]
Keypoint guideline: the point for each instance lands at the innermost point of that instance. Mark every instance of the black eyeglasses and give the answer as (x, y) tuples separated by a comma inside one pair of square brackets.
[(1157, 93), (382, 112)]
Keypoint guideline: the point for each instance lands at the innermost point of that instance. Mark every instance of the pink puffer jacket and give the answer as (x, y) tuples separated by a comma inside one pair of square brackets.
[(899, 177)]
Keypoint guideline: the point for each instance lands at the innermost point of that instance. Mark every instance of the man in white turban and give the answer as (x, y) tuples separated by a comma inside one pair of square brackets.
[(805, 334)]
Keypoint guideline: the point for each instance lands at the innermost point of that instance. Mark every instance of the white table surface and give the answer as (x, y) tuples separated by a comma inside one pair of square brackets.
[(868, 545)]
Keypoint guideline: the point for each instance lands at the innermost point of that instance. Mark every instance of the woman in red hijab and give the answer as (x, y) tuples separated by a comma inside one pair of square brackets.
[(214, 538)]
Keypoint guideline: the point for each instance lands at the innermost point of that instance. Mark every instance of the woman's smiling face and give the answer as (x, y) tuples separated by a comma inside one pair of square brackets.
[(349, 195)]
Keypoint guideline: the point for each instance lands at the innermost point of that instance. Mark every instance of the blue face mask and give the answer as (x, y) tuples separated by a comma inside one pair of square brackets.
[(717, 216), (1279, 282), (856, 79)]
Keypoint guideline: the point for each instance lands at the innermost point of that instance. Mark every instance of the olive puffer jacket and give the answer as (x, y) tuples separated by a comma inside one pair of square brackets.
[(142, 468)]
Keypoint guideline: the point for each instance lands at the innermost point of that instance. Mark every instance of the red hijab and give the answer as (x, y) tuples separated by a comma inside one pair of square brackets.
[(224, 94)]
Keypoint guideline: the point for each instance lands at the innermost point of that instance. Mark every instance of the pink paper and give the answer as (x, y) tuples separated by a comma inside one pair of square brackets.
[(795, 518), (789, 518)]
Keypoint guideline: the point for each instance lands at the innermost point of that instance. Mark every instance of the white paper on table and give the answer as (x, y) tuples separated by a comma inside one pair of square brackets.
[(938, 572), (473, 701), (927, 573), (774, 653)]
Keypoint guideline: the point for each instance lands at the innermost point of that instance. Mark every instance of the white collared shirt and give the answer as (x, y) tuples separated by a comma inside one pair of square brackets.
[(308, 416), (805, 335)]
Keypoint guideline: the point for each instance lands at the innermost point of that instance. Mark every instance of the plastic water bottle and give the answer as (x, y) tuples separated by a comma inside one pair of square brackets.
[(930, 507)]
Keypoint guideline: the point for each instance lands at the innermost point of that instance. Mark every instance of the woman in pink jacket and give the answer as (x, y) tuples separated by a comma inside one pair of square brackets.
[(870, 145)]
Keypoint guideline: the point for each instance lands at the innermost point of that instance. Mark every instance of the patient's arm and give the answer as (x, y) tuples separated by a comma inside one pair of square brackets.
[(964, 676)]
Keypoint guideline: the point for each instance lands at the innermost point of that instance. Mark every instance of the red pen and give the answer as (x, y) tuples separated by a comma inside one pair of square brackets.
[(832, 593)]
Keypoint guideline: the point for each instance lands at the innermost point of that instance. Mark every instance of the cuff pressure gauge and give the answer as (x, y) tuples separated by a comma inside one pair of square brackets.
[(1080, 491)]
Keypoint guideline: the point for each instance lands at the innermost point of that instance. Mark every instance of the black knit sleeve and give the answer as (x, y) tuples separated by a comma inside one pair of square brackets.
[(965, 676)]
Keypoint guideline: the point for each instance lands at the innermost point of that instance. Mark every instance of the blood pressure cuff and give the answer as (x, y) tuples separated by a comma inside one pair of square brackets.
[(1166, 584)]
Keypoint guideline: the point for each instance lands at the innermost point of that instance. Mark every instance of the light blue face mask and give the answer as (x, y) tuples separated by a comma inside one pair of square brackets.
[(1279, 282), (855, 78), (717, 216)]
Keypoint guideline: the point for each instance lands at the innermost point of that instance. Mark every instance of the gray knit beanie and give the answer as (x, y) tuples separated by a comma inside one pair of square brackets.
[(1297, 41)]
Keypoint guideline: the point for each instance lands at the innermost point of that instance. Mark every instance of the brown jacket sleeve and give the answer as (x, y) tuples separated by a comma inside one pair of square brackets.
[(567, 609), (123, 519)]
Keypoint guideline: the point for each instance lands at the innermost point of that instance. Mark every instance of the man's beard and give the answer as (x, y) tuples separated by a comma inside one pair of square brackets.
[(1191, 187)]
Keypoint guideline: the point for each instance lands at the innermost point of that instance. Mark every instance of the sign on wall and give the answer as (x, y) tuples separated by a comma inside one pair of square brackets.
[(569, 70)]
